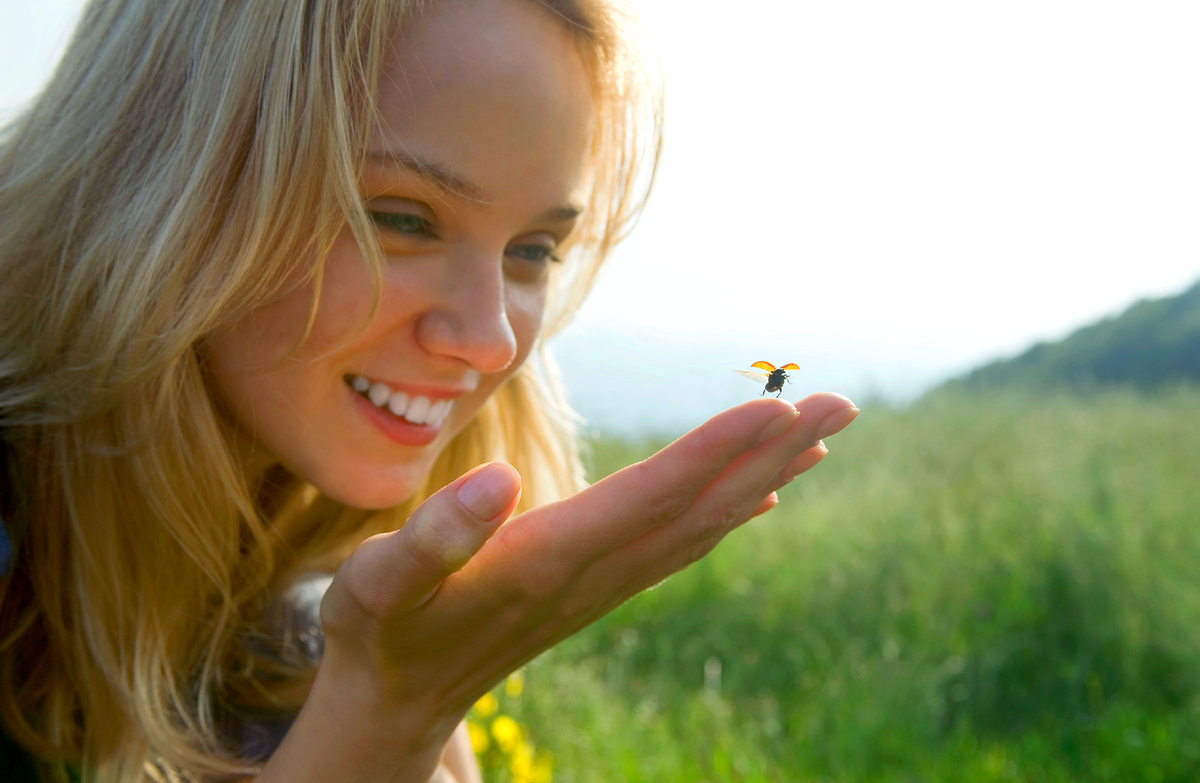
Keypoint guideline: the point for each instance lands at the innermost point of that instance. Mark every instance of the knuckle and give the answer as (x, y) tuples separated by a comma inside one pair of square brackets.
[(530, 588), (433, 548), (524, 587), (717, 524), (336, 616), (659, 507), (663, 509), (367, 592), (546, 583), (706, 435), (564, 611), (570, 607), (698, 551)]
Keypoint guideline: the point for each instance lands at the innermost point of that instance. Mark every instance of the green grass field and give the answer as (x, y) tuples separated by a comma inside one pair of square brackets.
[(972, 589)]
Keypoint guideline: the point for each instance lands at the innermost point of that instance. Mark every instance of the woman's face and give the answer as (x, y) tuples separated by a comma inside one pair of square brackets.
[(475, 176)]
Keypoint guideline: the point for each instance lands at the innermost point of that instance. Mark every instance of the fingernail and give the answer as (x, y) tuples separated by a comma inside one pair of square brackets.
[(777, 425), (836, 422), (489, 491)]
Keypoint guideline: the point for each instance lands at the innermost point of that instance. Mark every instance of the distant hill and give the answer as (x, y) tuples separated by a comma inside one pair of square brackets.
[(1155, 342)]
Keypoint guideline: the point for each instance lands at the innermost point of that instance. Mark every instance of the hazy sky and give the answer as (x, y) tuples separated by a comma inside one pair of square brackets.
[(963, 176), (891, 192), (883, 192)]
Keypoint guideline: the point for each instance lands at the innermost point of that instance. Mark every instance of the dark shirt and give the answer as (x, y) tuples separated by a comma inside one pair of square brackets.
[(6, 553), (15, 764)]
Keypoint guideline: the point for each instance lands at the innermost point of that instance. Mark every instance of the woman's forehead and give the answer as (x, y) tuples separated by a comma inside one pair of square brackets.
[(466, 44), (492, 91)]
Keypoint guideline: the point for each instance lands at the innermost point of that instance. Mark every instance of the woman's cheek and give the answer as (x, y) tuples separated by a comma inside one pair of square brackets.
[(525, 307), (347, 293)]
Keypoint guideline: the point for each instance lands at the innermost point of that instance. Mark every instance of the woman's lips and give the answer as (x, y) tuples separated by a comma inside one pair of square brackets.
[(392, 427), (412, 407), (411, 420)]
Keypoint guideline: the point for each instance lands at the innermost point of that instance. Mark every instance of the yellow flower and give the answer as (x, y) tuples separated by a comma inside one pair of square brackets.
[(507, 733), (486, 705), (521, 763), (526, 768), (541, 770), (515, 684), (479, 737)]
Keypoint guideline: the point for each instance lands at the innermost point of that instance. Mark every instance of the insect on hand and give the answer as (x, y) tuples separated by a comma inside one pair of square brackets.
[(774, 376)]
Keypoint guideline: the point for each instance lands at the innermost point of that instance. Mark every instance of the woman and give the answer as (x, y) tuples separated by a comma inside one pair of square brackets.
[(271, 277)]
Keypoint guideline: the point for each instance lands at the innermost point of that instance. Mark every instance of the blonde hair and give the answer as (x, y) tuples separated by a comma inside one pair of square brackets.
[(184, 161)]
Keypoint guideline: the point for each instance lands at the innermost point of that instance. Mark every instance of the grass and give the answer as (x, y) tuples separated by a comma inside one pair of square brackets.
[(972, 589)]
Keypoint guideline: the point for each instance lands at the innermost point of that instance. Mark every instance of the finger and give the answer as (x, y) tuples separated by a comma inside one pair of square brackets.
[(729, 499), (734, 496), (774, 464), (590, 525), (765, 505), (806, 461), (801, 464), (666, 482), (396, 572), (554, 544), (632, 501)]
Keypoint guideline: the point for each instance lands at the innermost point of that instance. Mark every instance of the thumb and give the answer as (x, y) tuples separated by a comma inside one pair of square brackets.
[(395, 572)]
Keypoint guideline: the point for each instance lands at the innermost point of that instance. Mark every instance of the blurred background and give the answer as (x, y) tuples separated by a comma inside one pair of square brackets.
[(890, 194), (980, 221)]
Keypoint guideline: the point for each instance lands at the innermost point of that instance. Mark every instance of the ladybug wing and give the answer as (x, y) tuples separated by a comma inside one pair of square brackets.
[(790, 366), (764, 366), (761, 377)]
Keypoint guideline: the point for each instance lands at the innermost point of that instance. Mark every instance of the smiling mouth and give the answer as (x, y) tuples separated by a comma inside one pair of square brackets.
[(416, 409)]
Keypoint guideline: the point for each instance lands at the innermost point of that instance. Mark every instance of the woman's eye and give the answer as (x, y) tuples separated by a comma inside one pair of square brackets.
[(403, 223), (537, 254)]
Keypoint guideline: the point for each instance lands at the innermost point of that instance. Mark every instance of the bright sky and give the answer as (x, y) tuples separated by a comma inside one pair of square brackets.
[(888, 193), (883, 192)]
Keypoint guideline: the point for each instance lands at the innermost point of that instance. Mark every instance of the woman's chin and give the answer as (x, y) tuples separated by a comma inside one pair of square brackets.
[(368, 487)]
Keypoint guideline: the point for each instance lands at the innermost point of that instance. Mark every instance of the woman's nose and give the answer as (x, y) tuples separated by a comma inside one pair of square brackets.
[(469, 319)]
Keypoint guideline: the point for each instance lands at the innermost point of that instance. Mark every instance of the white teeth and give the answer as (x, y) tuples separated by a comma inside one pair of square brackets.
[(418, 410), (398, 404), (438, 412), (379, 394), (415, 410)]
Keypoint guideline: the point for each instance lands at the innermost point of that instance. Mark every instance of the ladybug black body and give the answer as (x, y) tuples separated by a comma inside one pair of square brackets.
[(775, 382), (774, 376)]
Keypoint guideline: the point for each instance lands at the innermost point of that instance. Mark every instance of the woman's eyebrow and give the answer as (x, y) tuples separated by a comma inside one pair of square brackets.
[(455, 184), (560, 214), (433, 172)]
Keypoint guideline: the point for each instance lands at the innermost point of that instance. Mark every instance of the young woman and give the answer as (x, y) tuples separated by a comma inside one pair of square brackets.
[(274, 278)]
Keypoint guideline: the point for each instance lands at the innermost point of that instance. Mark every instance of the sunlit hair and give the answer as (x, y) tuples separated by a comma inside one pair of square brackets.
[(185, 160)]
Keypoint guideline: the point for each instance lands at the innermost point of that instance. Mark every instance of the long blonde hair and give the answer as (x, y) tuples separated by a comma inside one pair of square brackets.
[(184, 160)]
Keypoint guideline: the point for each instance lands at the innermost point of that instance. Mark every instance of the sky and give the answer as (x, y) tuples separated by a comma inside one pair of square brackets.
[(886, 193)]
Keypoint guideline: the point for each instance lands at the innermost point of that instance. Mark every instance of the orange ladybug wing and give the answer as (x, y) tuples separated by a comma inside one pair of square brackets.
[(790, 366), (764, 366)]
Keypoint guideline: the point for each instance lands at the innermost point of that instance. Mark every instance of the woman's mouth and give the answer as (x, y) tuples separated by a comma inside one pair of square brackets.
[(414, 409)]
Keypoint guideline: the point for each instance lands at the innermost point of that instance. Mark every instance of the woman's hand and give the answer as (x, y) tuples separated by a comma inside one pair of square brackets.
[(421, 622)]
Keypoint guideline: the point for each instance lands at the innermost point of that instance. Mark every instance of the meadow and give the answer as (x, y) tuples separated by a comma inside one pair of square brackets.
[(999, 587)]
